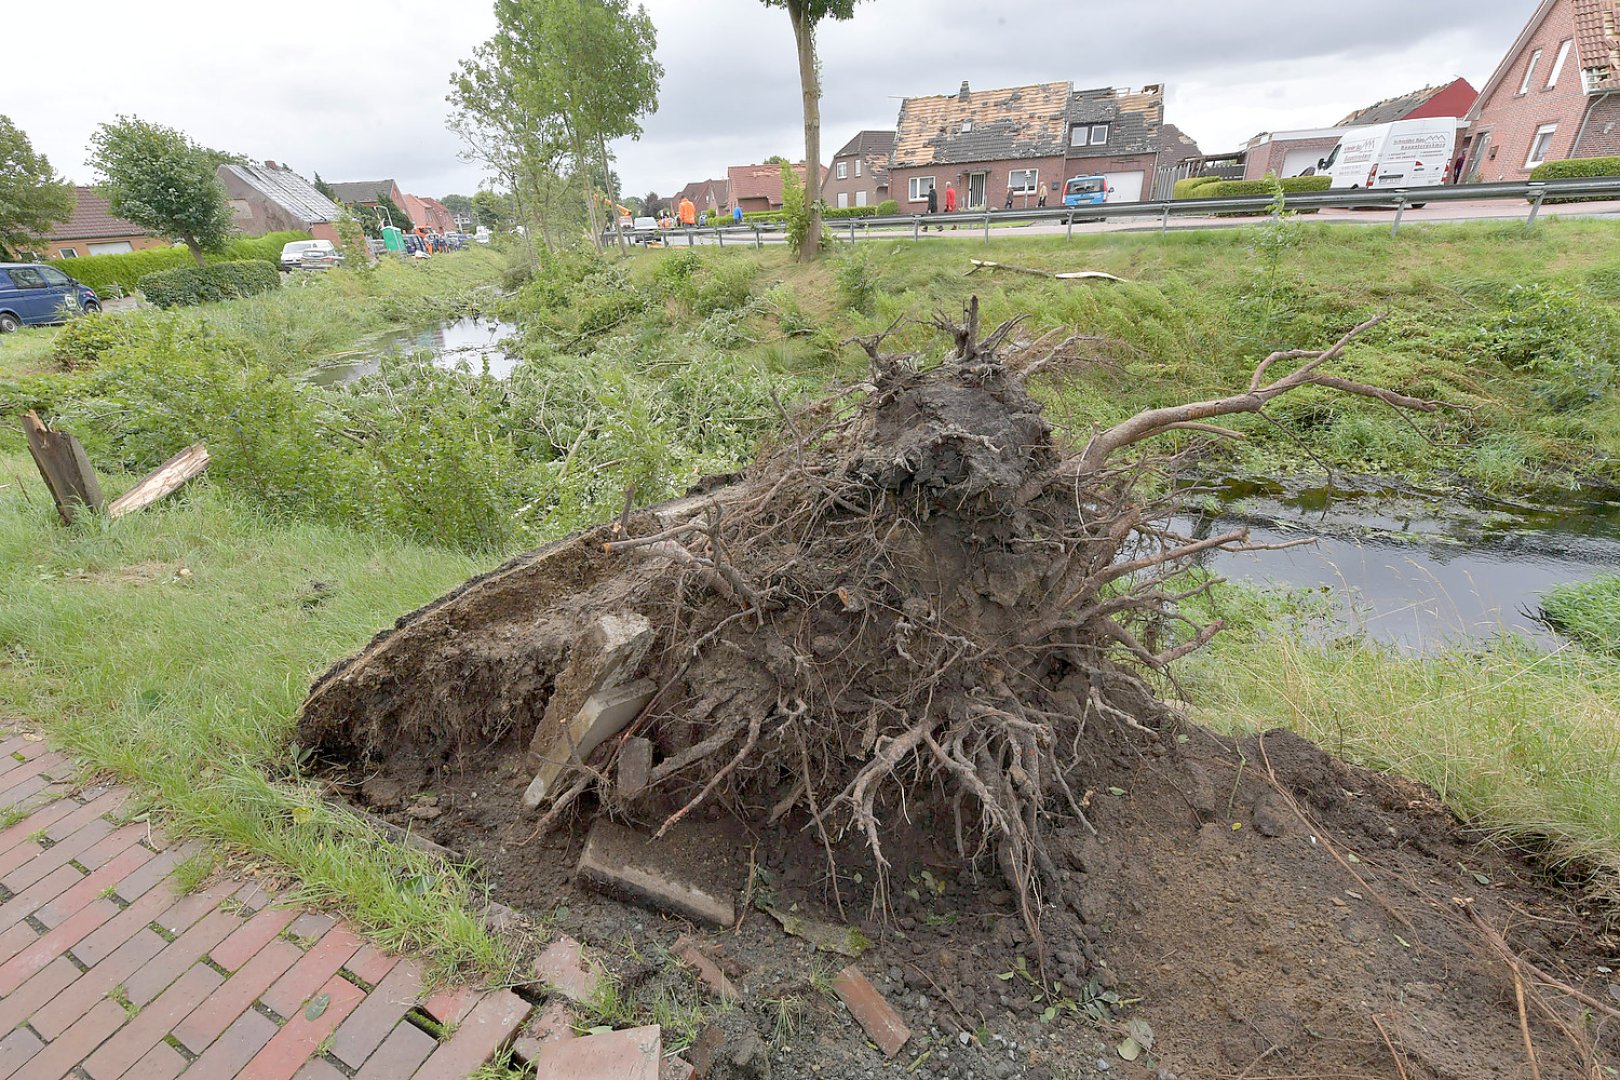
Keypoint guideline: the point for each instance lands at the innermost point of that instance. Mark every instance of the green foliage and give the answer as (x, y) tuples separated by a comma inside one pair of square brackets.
[(857, 281), (189, 285), (1577, 169), (156, 177), (82, 342), (888, 208), (117, 275), (837, 213), (32, 196), (1588, 611), (1569, 343), (1232, 189), (1185, 188), (795, 214)]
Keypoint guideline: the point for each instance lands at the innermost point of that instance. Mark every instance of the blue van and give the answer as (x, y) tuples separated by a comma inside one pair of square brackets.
[(32, 294), (1086, 191)]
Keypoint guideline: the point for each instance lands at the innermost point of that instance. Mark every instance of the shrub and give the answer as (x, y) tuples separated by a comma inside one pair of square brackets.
[(1233, 189), (1571, 346), (266, 248), (116, 275), (1576, 169), (857, 282), (83, 342), (888, 208), (1185, 189), (189, 285), (833, 213)]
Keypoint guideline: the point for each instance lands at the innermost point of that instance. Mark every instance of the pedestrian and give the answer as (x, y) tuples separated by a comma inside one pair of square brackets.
[(688, 213), (1457, 170), (933, 205), (950, 200), (703, 218), (1009, 200), (736, 214), (1040, 203)]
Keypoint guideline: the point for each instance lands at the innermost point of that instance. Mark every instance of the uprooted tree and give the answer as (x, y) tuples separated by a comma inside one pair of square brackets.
[(913, 603)]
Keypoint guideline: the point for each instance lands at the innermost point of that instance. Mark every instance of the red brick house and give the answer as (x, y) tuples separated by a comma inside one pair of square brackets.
[(93, 229), (366, 192), (759, 187), (1026, 141), (272, 198), (1554, 94), (709, 196), (859, 173)]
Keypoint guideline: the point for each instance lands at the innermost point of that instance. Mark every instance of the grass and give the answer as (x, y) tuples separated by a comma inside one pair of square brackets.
[(1588, 611), (187, 685)]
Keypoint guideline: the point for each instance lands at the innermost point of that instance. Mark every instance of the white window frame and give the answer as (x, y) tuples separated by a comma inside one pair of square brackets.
[(843, 200), (1530, 72), (67, 253), (1095, 128), (915, 192), (843, 170), (1558, 64), (1544, 134), (967, 126), (860, 197), (1031, 186), (857, 166)]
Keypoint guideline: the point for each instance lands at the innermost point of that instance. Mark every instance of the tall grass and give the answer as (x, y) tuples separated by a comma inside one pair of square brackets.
[(1588, 611)]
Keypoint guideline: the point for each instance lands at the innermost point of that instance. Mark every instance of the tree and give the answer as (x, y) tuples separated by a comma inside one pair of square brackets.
[(805, 14), (32, 196), (164, 182), (493, 210), (777, 159), (652, 202), (326, 189), (458, 205)]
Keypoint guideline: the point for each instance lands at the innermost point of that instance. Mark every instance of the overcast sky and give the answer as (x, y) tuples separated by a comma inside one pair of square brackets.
[(357, 92)]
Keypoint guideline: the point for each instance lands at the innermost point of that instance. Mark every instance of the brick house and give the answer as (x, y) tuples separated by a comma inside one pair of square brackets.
[(428, 213), (1554, 94), (93, 229), (366, 192), (272, 198), (859, 173), (1026, 141), (709, 196), (759, 187)]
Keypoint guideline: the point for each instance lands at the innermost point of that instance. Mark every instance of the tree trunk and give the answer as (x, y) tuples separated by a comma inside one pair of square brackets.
[(613, 211), (195, 249), (804, 35), (582, 166)]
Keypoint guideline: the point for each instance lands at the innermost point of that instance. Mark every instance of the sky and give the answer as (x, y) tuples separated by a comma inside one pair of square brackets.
[(358, 94)]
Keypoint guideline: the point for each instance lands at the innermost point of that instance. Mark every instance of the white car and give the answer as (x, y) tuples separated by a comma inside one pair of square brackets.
[(482, 235), (310, 255)]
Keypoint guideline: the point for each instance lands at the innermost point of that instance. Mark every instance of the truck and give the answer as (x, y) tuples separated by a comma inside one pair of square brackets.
[(1402, 154)]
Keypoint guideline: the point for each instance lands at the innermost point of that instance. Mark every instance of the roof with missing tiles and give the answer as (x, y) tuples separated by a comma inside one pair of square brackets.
[(983, 125), (1597, 39)]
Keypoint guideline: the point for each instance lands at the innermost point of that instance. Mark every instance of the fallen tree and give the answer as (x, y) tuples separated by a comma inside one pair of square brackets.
[(913, 603)]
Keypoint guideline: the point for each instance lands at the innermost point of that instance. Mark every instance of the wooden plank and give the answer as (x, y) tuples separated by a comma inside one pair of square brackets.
[(64, 467), (162, 481)]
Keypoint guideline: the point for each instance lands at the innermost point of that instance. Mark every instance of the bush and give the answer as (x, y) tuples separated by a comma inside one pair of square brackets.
[(835, 213), (888, 208), (1184, 189), (116, 275), (266, 248), (83, 342), (1233, 189), (857, 282), (1577, 169), (189, 285)]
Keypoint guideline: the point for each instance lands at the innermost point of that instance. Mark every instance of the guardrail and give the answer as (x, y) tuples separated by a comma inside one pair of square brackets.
[(1398, 199)]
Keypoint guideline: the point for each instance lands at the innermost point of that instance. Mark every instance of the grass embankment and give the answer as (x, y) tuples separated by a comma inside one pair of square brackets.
[(1589, 612)]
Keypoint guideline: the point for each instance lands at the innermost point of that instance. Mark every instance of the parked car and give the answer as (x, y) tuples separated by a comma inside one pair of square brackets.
[(1402, 154), (33, 294), (310, 255), (1086, 191), (482, 235)]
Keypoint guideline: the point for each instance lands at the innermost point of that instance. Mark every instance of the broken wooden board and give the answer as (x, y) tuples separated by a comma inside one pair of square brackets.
[(1073, 275), (63, 466), (161, 482)]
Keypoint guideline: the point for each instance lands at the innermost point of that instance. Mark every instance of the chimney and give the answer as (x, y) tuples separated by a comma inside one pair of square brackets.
[(962, 94), (271, 165)]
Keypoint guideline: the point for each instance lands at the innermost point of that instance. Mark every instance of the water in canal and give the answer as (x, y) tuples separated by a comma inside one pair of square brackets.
[(1414, 570), (472, 341)]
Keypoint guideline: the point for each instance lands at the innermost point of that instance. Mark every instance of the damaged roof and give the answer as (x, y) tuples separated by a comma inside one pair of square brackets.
[(1390, 109), (1135, 119), (297, 196), (868, 143), (1597, 40), (983, 125)]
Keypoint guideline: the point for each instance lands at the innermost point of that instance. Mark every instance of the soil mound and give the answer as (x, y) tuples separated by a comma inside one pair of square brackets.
[(896, 686)]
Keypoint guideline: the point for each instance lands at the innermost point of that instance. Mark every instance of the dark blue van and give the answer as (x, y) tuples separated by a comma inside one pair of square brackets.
[(32, 294)]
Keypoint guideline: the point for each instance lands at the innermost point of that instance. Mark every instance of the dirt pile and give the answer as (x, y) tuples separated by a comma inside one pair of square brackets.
[(902, 674)]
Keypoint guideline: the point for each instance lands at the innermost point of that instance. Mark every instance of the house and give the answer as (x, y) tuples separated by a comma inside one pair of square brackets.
[(859, 174), (709, 196), (1026, 141), (759, 187), (272, 198), (369, 193), (1449, 99), (1555, 95), (93, 229), (427, 213)]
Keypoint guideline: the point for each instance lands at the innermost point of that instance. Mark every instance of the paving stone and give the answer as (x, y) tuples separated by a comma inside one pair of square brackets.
[(677, 1068), (406, 1047), (604, 714), (486, 1029), (125, 925), (298, 1038), (75, 1044), (869, 1008), (66, 1009), (17, 1048), (87, 811), (564, 968), (319, 1070), (42, 988), (625, 864), (370, 964), (635, 766), (139, 883), (193, 906), (59, 854), (250, 937), (309, 926), (156, 974), (631, 1054), (318, 965), (162, 1062), (25, 791), (253, 897), (15, 939), (89, 887), (370, 1023), (211, 1018), (37, 895), (17, 970), (450, 1005), (234, 1049), (119, 841), (37, 821), (29, 770), (147, 1027), (689, 953)]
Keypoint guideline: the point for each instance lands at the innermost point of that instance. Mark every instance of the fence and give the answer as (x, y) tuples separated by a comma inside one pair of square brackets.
[(1535, 193)]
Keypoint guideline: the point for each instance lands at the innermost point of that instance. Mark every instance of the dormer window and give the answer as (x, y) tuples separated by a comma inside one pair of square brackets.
[(967, 126), (1088, 135)]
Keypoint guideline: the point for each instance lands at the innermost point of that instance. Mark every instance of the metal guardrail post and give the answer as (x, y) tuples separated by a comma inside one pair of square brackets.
[(851, 230), (1164, 222), (1068, 227), (987, 226), (1535, 208), (1400, 212), (758, 243), (720, 236), (916, 227)]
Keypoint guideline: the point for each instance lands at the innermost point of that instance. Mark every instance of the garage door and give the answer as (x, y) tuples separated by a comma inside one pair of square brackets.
[(1295, 162), (1127, 186)]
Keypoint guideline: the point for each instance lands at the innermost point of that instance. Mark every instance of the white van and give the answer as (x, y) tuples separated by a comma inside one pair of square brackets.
[(1404, 154)]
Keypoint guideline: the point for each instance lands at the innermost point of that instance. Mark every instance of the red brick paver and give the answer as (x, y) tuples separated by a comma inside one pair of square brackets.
[(107, 971)]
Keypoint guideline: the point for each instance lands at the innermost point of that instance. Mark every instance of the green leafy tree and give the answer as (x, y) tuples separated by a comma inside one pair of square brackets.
[(459, 205), (777, 159), (805, 14), (32, 196), (393, 213), (494, 210), (326, 189), (164, 182)]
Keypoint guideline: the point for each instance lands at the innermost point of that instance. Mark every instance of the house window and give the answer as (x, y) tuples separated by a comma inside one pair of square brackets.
[(1530, 71), (920, 187), (857, 166), (860, 198), (967, 126), (1099, 134), (843, 200), (111, 247), (843, 170), (1558, 64), (1088, 135), (1591, 78), (1023, 182), (67, 253), (1541, 145)]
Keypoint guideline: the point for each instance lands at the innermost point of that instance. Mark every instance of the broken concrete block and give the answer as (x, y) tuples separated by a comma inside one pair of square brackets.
[(603, 715), (677, 1068), (635, 766), (623, 863), (564, 969), (687, 952), (631, 1054), (870, 1009), (608, 654)]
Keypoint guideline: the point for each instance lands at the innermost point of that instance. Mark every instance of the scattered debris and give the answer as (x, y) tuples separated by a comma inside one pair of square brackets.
[(825, 936), (553, 1024), (871, 1010), (635, 765), (161, 482), (73, 484), (564, 968), (691, 954), (626, 864), (1075, 275), (630, 1054)]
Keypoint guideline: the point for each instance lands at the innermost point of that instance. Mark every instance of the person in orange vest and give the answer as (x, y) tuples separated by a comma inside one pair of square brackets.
[(950, 200), (688, 213)]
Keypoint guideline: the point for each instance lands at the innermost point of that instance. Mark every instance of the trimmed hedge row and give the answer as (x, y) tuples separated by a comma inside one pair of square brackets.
[(112, 274), (830, 214), (189, 285), (1234, 189), (1577, 169), (1184, 188)]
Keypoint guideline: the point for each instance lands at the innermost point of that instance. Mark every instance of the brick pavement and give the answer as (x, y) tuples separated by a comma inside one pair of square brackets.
[(107, 970)]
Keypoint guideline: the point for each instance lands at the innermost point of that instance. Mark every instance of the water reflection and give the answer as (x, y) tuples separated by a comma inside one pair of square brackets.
[(472, 341)]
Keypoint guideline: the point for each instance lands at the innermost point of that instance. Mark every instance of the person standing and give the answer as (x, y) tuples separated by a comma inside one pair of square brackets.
[(950, 200), (736, 214), (933, 203), (688, 213)]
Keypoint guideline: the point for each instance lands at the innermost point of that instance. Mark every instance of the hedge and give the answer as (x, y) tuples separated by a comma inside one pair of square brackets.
[(830, 214), (113, 274), (1184, 188), (1234, 189), (1577, 169), (217, 281)]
